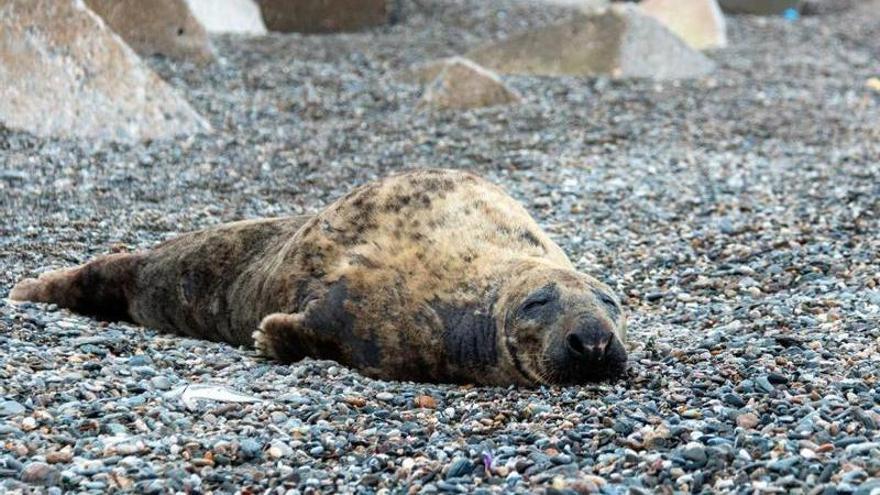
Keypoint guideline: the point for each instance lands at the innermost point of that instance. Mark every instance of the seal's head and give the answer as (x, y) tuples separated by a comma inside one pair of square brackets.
[(559, 326)]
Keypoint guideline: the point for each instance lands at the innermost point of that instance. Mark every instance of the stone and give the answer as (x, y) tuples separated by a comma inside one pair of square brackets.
[(228, 16), (459, 467), (695, 453), (425, 402), (826, 7), (59, 456), (758, 7), (64, 73), (461, 84), (39, 473), (10, 407), (583, 5), (620, 42), (157, 27), (747, 420), (251, 449), (325, 16), (700, 23)]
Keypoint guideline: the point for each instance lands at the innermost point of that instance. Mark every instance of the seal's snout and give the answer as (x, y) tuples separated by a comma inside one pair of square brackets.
[(589, 344), (591, 351)]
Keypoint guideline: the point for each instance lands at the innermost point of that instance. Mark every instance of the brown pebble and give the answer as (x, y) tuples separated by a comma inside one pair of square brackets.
[(355, 401), (425, 401), (59, 456), (39, 473), (747, 420)]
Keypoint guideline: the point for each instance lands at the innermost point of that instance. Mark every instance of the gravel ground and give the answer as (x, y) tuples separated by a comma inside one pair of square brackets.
[(738, 215)]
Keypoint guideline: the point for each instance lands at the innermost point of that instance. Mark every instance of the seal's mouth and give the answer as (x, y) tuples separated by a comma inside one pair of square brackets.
[(576, 361), (520, 364)]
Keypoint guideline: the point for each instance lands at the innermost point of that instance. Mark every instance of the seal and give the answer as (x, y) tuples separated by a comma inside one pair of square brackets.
[(431, 275)]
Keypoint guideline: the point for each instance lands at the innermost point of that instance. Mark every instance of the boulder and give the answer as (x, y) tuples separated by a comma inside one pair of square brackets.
[(758, 7), (825, 7), (582, 5), (157, 27), (228, 16), (461, 84), (64, 73), (699, 23), (619, 41), (325, 16)]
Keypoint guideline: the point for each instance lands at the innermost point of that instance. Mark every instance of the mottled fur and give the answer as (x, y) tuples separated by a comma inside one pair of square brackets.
[(421, 276)]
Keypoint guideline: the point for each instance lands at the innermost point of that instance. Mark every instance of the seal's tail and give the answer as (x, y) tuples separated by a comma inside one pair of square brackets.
[(100, 288)]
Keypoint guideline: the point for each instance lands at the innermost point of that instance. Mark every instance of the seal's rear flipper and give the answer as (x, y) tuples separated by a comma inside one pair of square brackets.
[(100, 288)]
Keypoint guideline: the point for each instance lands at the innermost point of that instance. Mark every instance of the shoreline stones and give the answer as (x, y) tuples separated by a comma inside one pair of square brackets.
[(758, 7), (229, 16), (157, 27), (700, 23), (620, 42), (64, 73), (325, 16), (461, 84), (10, 408)]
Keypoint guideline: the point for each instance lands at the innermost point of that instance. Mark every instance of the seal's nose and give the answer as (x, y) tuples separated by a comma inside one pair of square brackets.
[(589, 343)]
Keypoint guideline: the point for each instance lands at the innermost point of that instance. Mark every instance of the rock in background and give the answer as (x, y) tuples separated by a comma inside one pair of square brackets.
[(157, 27), (64, 73), (583, 5), (758, 7), (462, 84), (325, 16), (825, 7), (620, 42), (228, 16), (700, 23)]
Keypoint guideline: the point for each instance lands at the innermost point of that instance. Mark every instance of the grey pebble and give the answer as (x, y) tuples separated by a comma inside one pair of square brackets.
[(10, 408)]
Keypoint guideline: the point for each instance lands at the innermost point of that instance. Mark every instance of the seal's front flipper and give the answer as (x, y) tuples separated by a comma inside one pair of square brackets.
[(280, 337), (100, 288), (323, 330)]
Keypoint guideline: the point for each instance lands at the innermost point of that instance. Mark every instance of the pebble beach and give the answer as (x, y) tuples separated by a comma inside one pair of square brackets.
[(738, 216)]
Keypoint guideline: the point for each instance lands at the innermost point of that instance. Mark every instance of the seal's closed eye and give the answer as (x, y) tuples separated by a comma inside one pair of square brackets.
[(536, 305), (608, 302)]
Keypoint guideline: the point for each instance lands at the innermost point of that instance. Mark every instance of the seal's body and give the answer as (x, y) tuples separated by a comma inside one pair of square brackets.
[(433, 275)]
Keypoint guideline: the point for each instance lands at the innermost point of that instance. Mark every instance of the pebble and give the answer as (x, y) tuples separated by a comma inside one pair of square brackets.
[(763, 383), (39, 473), (459, 467), (747, 420), (161, 382), (28, 424), (10, 408)]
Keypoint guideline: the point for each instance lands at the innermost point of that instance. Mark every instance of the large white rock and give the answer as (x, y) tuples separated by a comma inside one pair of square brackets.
[(157, 27), (619, 41), (461, 84), (64, 73), (229, 16), (699, 22)]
